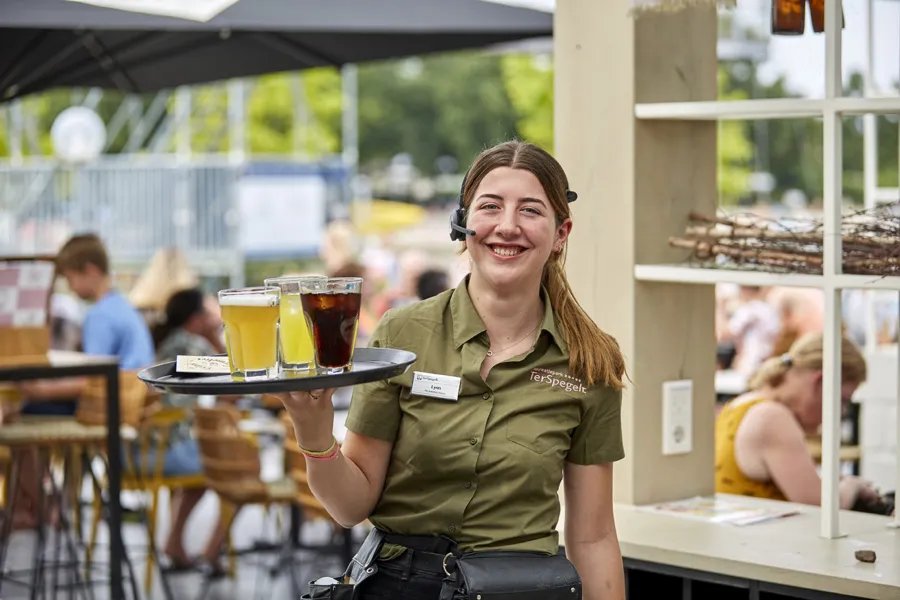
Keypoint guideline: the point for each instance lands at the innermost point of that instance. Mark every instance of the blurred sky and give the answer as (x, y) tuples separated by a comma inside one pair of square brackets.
[(802, 59)]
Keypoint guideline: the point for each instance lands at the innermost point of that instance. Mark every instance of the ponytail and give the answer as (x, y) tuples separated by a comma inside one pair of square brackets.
[(807, 353), (593, 353), (771, 373)]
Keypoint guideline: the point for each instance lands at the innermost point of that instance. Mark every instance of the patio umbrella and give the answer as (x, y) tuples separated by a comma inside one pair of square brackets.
[(56, 43)]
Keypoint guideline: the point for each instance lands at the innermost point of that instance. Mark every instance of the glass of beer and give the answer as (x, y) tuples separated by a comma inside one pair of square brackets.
[(332, 309), (250, 316), (294, 338)]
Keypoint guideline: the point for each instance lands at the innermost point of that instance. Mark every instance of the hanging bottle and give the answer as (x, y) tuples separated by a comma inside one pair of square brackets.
[(788, 17), (817, 15)]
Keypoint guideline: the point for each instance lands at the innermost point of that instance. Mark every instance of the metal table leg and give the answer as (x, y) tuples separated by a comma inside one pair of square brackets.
[(114, 480)]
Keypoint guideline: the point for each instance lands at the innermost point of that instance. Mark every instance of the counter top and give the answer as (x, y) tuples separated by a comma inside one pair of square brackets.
[(787, 551)]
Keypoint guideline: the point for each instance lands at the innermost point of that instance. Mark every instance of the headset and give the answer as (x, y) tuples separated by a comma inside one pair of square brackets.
[(458, 231)]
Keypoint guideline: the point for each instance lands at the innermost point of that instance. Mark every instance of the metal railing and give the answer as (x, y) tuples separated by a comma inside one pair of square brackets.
[(136, 205)]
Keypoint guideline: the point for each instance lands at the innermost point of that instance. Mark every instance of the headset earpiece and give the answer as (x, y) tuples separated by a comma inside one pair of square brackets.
[(458, 231)]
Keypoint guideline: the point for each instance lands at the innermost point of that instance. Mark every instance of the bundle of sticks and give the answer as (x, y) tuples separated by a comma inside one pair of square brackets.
[(870, 243)]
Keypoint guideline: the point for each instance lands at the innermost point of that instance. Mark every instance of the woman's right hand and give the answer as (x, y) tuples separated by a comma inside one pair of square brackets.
[(312, 414)]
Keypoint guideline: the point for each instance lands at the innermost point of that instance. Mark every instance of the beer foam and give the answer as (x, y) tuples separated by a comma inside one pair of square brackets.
[(255, 300)]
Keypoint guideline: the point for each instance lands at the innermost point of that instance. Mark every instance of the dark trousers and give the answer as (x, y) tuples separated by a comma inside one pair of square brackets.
[(396, 580)]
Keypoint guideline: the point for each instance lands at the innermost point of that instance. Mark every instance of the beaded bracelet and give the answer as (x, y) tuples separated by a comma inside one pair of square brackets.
[(325, 455)]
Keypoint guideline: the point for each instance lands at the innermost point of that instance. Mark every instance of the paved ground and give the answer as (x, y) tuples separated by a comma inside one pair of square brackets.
[(253, 580)]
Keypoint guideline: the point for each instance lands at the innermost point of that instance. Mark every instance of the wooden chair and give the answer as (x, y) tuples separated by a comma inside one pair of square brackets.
[(312, 509), (295, 467), (146, 431), (231, 465)]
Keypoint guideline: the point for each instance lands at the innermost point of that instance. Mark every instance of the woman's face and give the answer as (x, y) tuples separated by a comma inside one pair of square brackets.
[(807, 389), (515, 228)]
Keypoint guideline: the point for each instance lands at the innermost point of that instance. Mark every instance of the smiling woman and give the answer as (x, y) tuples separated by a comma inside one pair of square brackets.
[(516, 198), (515, 391)]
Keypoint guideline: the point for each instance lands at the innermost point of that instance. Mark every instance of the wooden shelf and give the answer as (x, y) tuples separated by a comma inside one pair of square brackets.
[(699, 275), (778, 108)]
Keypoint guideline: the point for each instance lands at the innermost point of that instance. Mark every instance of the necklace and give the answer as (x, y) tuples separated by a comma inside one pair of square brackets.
[(490, 352)]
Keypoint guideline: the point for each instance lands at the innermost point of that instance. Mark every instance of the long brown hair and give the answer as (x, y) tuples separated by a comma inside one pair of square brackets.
[(593, 354)]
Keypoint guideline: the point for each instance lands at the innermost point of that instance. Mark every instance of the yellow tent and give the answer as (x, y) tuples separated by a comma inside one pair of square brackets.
[(378, 217)]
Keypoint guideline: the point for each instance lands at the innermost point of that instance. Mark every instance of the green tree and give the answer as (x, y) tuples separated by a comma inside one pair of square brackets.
[(792, 149), (733, 148), (528, 80), (446, 104)]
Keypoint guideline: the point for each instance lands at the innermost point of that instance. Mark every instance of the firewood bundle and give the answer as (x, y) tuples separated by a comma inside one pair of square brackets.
[(871, 243)]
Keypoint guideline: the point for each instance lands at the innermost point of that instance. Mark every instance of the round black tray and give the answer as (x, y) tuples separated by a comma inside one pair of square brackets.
[(369, 364)]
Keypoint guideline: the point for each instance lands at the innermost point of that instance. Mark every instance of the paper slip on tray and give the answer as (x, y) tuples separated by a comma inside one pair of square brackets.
[(369, 364)]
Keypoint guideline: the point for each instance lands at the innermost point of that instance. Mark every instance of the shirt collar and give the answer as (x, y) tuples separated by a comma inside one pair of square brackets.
[(467, 324)]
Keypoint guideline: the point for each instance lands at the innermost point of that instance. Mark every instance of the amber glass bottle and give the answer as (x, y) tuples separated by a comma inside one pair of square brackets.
[(788, 17), (817, 15)]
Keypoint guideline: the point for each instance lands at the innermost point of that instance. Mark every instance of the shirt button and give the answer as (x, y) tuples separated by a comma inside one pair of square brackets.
[(486, 395), (452, 529), (473, 441), (468, 484)]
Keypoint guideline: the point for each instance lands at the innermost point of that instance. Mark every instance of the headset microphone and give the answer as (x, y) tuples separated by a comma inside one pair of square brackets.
[(458, 231)]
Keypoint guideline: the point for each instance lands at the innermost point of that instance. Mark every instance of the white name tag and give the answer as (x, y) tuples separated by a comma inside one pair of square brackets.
[(202, 364), (443, 387)]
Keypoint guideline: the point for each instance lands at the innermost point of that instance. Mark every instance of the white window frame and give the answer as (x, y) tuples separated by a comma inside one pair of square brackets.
[(831, 109)]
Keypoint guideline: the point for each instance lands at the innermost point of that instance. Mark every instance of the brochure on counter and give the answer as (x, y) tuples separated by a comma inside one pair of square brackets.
[(719, 510)]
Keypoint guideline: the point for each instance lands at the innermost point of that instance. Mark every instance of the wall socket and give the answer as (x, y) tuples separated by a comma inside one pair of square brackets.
[(677, 416)]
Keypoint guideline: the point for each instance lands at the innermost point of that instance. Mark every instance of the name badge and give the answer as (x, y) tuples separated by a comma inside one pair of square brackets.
[(443, 387)]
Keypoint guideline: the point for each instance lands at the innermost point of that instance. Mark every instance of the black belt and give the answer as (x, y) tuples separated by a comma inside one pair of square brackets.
[(428, 553)]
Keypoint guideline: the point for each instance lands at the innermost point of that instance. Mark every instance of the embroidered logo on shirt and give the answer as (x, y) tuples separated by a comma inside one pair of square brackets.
[(560, 380)]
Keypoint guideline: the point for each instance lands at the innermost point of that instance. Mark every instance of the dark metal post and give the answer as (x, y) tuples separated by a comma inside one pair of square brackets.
[(114, 478)]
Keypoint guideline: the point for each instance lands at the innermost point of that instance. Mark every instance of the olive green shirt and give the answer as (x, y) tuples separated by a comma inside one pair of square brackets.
[(485, 469)]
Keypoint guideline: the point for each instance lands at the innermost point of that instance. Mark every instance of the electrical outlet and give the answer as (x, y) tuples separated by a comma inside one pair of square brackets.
[(677, 408)]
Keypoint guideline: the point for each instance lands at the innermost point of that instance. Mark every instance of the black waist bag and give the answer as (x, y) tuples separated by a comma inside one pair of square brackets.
[(511, 576)]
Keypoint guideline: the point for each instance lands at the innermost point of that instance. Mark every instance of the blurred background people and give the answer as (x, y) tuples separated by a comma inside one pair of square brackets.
[(753, 328), (760, 436), (800, 311), (431, 282), (111, 326), (190, 327)]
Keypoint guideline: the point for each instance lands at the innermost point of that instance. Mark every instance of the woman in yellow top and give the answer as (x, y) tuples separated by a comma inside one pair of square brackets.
[(530, 395), (761, 436)]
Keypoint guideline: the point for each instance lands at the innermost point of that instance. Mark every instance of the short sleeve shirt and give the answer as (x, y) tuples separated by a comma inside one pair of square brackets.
[(112, 327), (484, 469)]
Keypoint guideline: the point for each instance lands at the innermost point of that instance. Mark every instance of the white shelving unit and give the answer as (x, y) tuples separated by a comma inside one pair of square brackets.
[(831, 110), (873, 195), (682, 274), (770, 108)]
